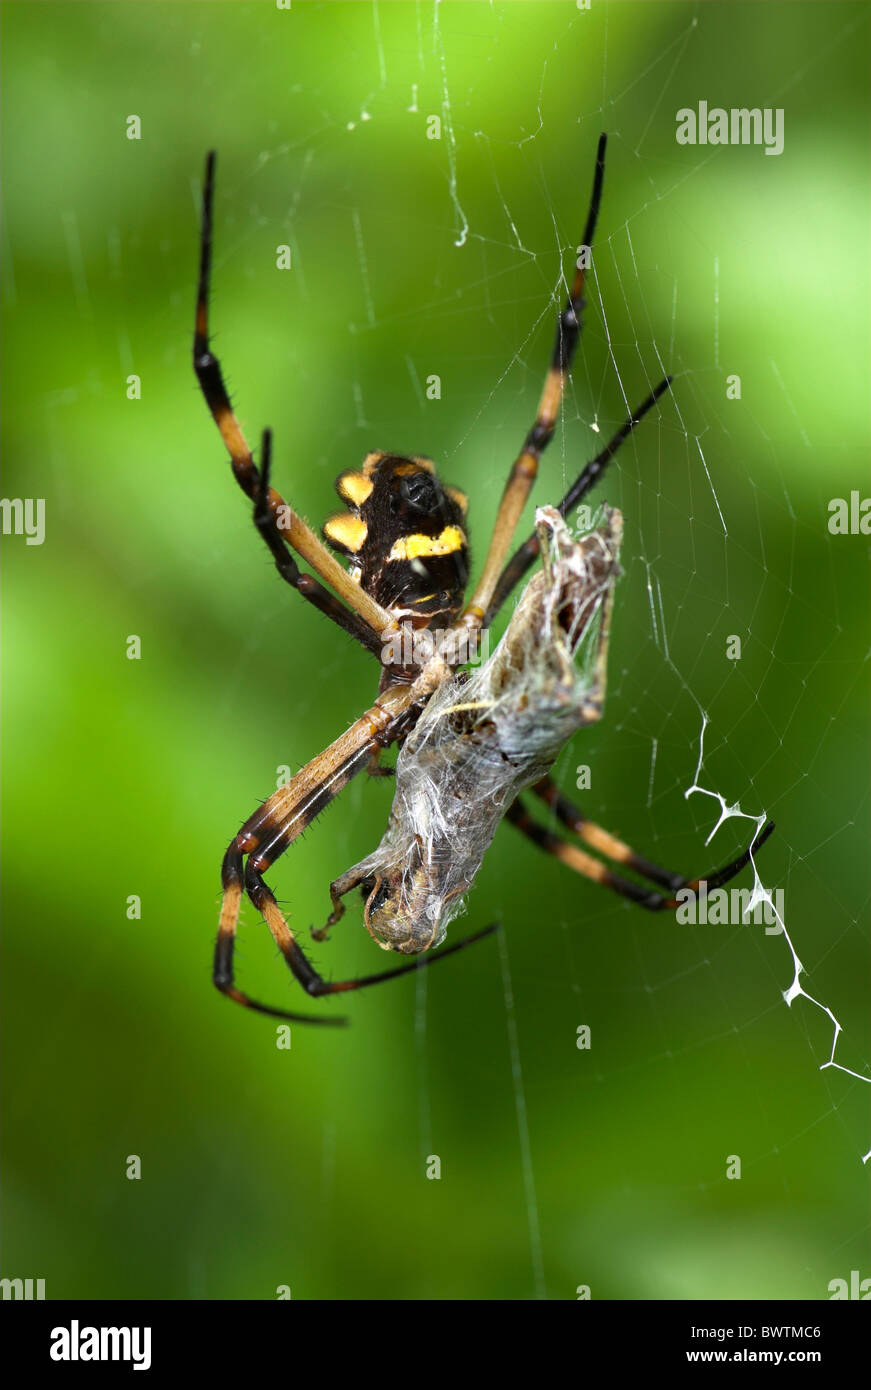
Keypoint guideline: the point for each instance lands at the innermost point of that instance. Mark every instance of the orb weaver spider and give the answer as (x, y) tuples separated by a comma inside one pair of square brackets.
[(463, 761)]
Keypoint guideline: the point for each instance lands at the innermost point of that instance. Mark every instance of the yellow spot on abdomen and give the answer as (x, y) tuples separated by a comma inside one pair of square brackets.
[(418, 546), (346, 531), (354, 488)]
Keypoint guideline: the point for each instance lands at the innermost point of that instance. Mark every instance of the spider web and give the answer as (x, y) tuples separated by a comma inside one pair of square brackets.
[(724, 504)]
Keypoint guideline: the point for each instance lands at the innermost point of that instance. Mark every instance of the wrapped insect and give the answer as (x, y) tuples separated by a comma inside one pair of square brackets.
[(487, 735)]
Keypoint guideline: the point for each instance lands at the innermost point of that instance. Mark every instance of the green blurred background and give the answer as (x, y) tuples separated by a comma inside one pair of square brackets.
[(559, 1167)]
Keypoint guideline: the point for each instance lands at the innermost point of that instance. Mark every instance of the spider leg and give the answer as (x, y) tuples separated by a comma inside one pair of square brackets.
[(525, 468), (268, 832), (273, 828), (602, 840), (528, 553), (592, 868), (305, 584), (312, 982), (288, 527)]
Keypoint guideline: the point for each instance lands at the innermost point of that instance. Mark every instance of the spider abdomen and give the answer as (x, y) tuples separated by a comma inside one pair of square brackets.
[(404, 534)]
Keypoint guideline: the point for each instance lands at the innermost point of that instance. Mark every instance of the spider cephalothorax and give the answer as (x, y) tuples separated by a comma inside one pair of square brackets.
[(404, 534), (470, 743)]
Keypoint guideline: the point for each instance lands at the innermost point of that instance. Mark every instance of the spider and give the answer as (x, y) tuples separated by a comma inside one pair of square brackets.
[(403, 534)]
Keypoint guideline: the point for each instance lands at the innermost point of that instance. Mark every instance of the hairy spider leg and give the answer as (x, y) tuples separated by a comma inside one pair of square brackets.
[(582, 862), (525, 468), (528, 553), (366, 616), (305, 584), (273, 828), (592, 868)]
